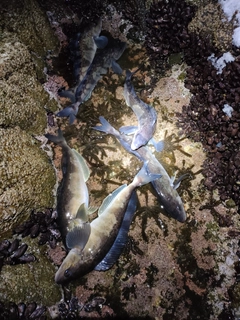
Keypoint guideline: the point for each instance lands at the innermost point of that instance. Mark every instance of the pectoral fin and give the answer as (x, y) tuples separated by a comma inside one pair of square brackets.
[(159, 146), (177, 183), (78, 237), (128, 129), (116, 67), (82, 214), (101, 41), (121, 239)]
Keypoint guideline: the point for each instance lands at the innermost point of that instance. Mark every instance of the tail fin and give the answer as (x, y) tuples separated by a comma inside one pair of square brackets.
[(106, 127), (70, 112), (129, 74), (59, 139), (67, 94)]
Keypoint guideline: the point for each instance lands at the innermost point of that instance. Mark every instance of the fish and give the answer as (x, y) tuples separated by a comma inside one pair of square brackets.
[(83, 49), (104, 231), (164, 187), (122, 237), (103, 60), (146, 115), (73, 197), (89, 42)]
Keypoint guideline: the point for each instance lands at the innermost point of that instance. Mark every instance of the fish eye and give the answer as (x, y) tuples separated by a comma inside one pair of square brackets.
[(67, 273)]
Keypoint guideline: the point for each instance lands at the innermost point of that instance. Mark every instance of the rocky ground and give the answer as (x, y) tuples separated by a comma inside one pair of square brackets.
[(169, 270)]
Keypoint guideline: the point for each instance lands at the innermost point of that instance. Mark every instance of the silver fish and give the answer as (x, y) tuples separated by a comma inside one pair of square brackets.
[(104, 230), (122, 237), (164, 187), (146, 115), (73, 197), (102, 61)]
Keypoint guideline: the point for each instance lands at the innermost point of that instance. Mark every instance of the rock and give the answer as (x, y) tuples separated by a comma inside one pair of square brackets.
[(30, 282), (27, 177), (22, 97)]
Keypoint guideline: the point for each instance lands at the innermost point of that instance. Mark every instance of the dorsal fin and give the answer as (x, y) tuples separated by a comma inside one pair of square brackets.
[(85, 169), (106, 202)]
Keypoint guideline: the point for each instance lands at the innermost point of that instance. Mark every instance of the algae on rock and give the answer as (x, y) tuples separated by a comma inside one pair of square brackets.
[(22, 98), (36, 283), (27, 177), (26, 20)]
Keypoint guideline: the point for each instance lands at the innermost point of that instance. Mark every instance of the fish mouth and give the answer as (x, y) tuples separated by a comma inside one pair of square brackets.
[(182, 217), (60, 277)]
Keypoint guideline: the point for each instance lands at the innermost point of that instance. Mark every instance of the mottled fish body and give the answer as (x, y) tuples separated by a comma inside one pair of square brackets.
[(73, 198), (146, 115), (104, 231), (86, 49), (83, 49), (103, 60), (166, 192)]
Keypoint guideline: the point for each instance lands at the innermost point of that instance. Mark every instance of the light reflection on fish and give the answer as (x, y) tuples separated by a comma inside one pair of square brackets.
[(104, 231), (122, 237), (146, 115), (103, 60), (73, 198), (164, 187)]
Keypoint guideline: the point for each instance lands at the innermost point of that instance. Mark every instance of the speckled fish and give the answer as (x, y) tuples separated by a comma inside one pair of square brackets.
[(103, 60), (164, 187), (83, 50), (73, 198), (104, 231), (146, 115)]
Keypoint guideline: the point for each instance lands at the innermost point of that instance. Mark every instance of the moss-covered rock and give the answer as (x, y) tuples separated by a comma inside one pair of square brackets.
[(30, 282), (27, 177), (26, 20), (22, 97)]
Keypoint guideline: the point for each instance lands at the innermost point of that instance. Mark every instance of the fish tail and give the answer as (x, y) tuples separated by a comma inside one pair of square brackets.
[(69, 112), (59, 139), (129, 74), (105, 127), (144, 176)]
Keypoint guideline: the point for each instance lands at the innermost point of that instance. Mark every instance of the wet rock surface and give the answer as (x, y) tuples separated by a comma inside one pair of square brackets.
[(26, 178), (168, 270), (26, 174)]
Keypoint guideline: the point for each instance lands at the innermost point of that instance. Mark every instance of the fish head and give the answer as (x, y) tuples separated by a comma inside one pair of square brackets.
[(178, 211), (138, 141), (171, 202), (174, 207), (69, 268)]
